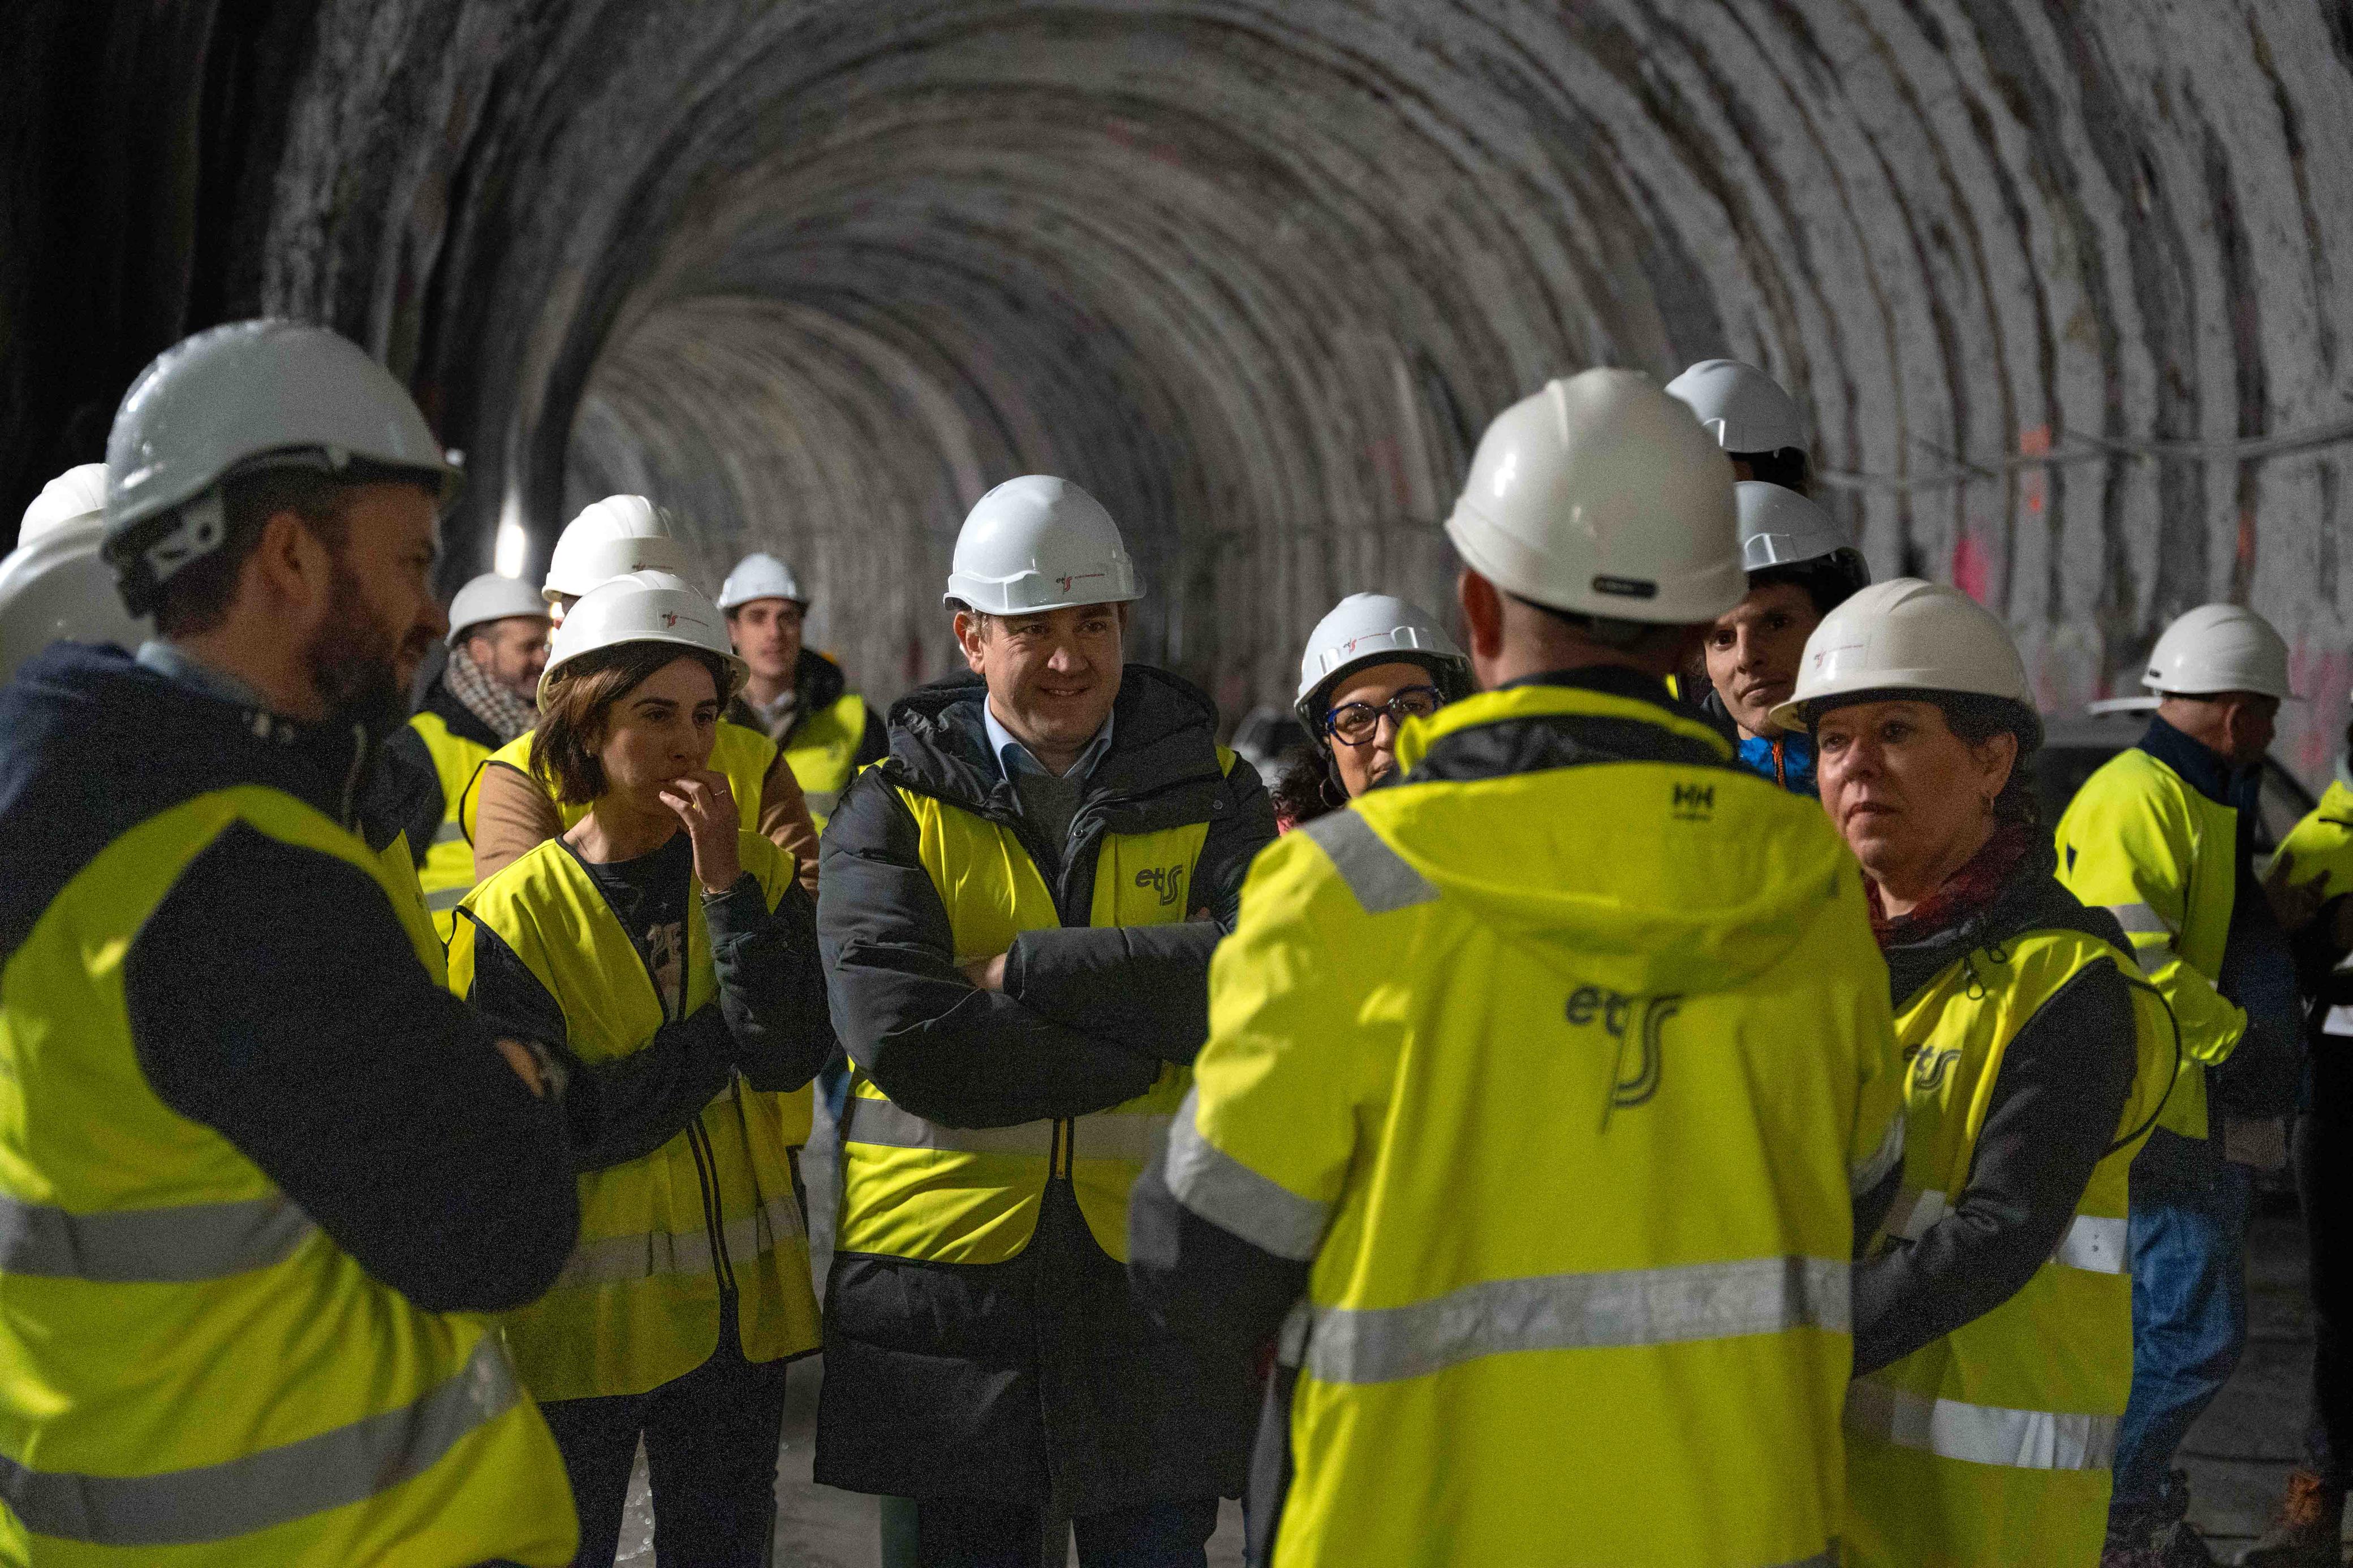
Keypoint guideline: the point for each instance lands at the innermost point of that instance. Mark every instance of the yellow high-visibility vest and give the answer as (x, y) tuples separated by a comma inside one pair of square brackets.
[(638, 1303), (448, 873), (1992, 1446), (1561, 1078), (914, 1189), (191, 1374), (2140, 842), (2321, 847), (823, 751)]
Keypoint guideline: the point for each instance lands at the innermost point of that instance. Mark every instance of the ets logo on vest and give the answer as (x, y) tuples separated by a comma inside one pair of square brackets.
[(1168, 881), (1637, 1028)]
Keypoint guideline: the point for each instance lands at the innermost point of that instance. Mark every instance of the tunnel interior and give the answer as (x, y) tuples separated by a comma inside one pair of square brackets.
[(2051, 282)]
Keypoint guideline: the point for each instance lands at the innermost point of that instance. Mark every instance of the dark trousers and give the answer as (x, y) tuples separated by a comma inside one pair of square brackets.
[(2188, 1246), (710, 1438), (958, 1532), (2324, 1181)]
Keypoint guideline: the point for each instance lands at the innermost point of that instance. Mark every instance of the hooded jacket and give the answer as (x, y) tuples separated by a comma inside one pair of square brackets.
[(1572, 1037), (1028, 1376)]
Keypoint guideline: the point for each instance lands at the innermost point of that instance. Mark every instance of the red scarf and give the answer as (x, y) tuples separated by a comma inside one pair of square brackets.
[(1965, 893)]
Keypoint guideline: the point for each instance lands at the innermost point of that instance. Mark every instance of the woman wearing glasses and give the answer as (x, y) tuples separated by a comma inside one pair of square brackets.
[(1371, 664)]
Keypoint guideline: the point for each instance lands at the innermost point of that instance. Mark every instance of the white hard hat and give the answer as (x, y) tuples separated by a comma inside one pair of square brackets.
[(760, 575), (491, 597), (1601, 496), (58, 584), (2219, 647), (1745, 409), (74, 495), (1374, 628), (239, 398), (643, 606), (1779, 527), (1905, 635), (617, 535), (1039, 544)]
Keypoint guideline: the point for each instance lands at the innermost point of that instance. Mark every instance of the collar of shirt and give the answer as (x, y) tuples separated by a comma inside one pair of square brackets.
[(2201, 768), (1013, 757), (177, 664)]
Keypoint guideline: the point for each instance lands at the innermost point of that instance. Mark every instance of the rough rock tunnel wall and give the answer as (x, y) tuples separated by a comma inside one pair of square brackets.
[(2053, 281)]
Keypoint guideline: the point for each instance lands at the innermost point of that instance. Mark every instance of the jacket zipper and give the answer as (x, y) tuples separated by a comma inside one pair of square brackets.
[(1780, 773)]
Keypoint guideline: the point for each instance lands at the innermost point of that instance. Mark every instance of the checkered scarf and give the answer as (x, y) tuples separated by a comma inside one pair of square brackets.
[(507, 714)]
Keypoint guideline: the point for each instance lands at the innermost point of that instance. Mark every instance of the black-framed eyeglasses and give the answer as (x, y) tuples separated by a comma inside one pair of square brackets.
[(1356, 723)]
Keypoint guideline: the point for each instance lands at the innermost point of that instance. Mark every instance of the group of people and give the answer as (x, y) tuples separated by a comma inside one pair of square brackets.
[(1646, 1088)]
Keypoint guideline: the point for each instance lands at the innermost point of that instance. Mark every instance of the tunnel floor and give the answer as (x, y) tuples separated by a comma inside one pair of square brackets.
[(2238, 1455)]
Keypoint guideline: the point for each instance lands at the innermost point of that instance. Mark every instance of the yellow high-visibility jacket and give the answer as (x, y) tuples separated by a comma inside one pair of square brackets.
[(1558, 1065), (2161, 857), (2320, 848)]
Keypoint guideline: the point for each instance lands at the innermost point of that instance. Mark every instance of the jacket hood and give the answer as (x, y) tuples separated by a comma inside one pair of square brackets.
[(1610, 833), (1164, 733)]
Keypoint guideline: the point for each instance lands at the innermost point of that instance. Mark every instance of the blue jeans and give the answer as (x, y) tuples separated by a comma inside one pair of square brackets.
[(2188, 1243)]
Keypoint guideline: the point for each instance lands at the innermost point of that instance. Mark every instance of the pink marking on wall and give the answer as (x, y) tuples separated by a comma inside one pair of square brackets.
[(2033, 484), (1970, 566)]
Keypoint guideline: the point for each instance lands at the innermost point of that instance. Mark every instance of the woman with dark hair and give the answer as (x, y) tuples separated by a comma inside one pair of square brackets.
[(1371, 664), (1993, 1329), (667, 958)]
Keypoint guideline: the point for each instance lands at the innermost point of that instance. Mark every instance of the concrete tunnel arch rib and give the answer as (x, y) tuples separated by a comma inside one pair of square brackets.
[(816, 274)]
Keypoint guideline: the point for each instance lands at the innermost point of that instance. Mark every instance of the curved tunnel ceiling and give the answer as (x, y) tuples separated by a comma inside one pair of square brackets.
[(2053, 282)]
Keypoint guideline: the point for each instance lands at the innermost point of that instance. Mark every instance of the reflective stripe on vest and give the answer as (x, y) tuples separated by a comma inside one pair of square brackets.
[(1885, 1158), (617, 1260), (1981, 1434), (2096, 1243), (175, 1246), (1577, 1312), (1374, 872), (449, 832), (2152, 938), (1231, 1195), (821, 801), (239, 1497), (1103, 1135)]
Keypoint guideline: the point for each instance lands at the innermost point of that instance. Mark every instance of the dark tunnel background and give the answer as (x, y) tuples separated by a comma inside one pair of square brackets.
[(2053, 281)]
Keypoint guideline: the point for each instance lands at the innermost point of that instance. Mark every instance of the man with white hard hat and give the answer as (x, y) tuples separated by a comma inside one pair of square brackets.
[(259, 1166), (1754, 421), (484, 697), (2163, 836), (1555, 1077), (1017, 911), (505, 811), (55, 585), (796, 696)]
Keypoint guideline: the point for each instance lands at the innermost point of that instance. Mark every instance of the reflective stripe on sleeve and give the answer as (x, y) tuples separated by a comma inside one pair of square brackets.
[(1981, 1434), (243, 1496), (1377, 874), (2140, 920), (1119, 1135), (1890, 1153), (621, 1259), (151, 1247), (451, 831), (1578, 1312), (442, 898), (822, 801), (1233, 1197), (885, 1126), (2094, 1243)]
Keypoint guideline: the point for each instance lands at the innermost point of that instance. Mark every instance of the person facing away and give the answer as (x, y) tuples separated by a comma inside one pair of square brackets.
[(506, 810), (1017, 910), (795, 696), (1993, 1327), (1551, 1086), (667, 957), (262, 1176), (2162, 835)]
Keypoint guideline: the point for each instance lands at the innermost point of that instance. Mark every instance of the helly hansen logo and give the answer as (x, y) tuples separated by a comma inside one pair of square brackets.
[(1693, 801), (1635, 1028), (1168, 881)]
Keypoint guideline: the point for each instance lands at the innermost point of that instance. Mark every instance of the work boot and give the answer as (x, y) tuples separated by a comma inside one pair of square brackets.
[(2307, 1526)]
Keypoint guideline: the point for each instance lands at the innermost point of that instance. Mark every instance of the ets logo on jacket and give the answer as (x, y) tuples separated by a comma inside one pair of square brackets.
[(1168, 881)]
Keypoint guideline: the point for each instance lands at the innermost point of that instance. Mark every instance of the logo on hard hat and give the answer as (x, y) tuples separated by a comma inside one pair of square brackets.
[(1064, 583), (669, 619)]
